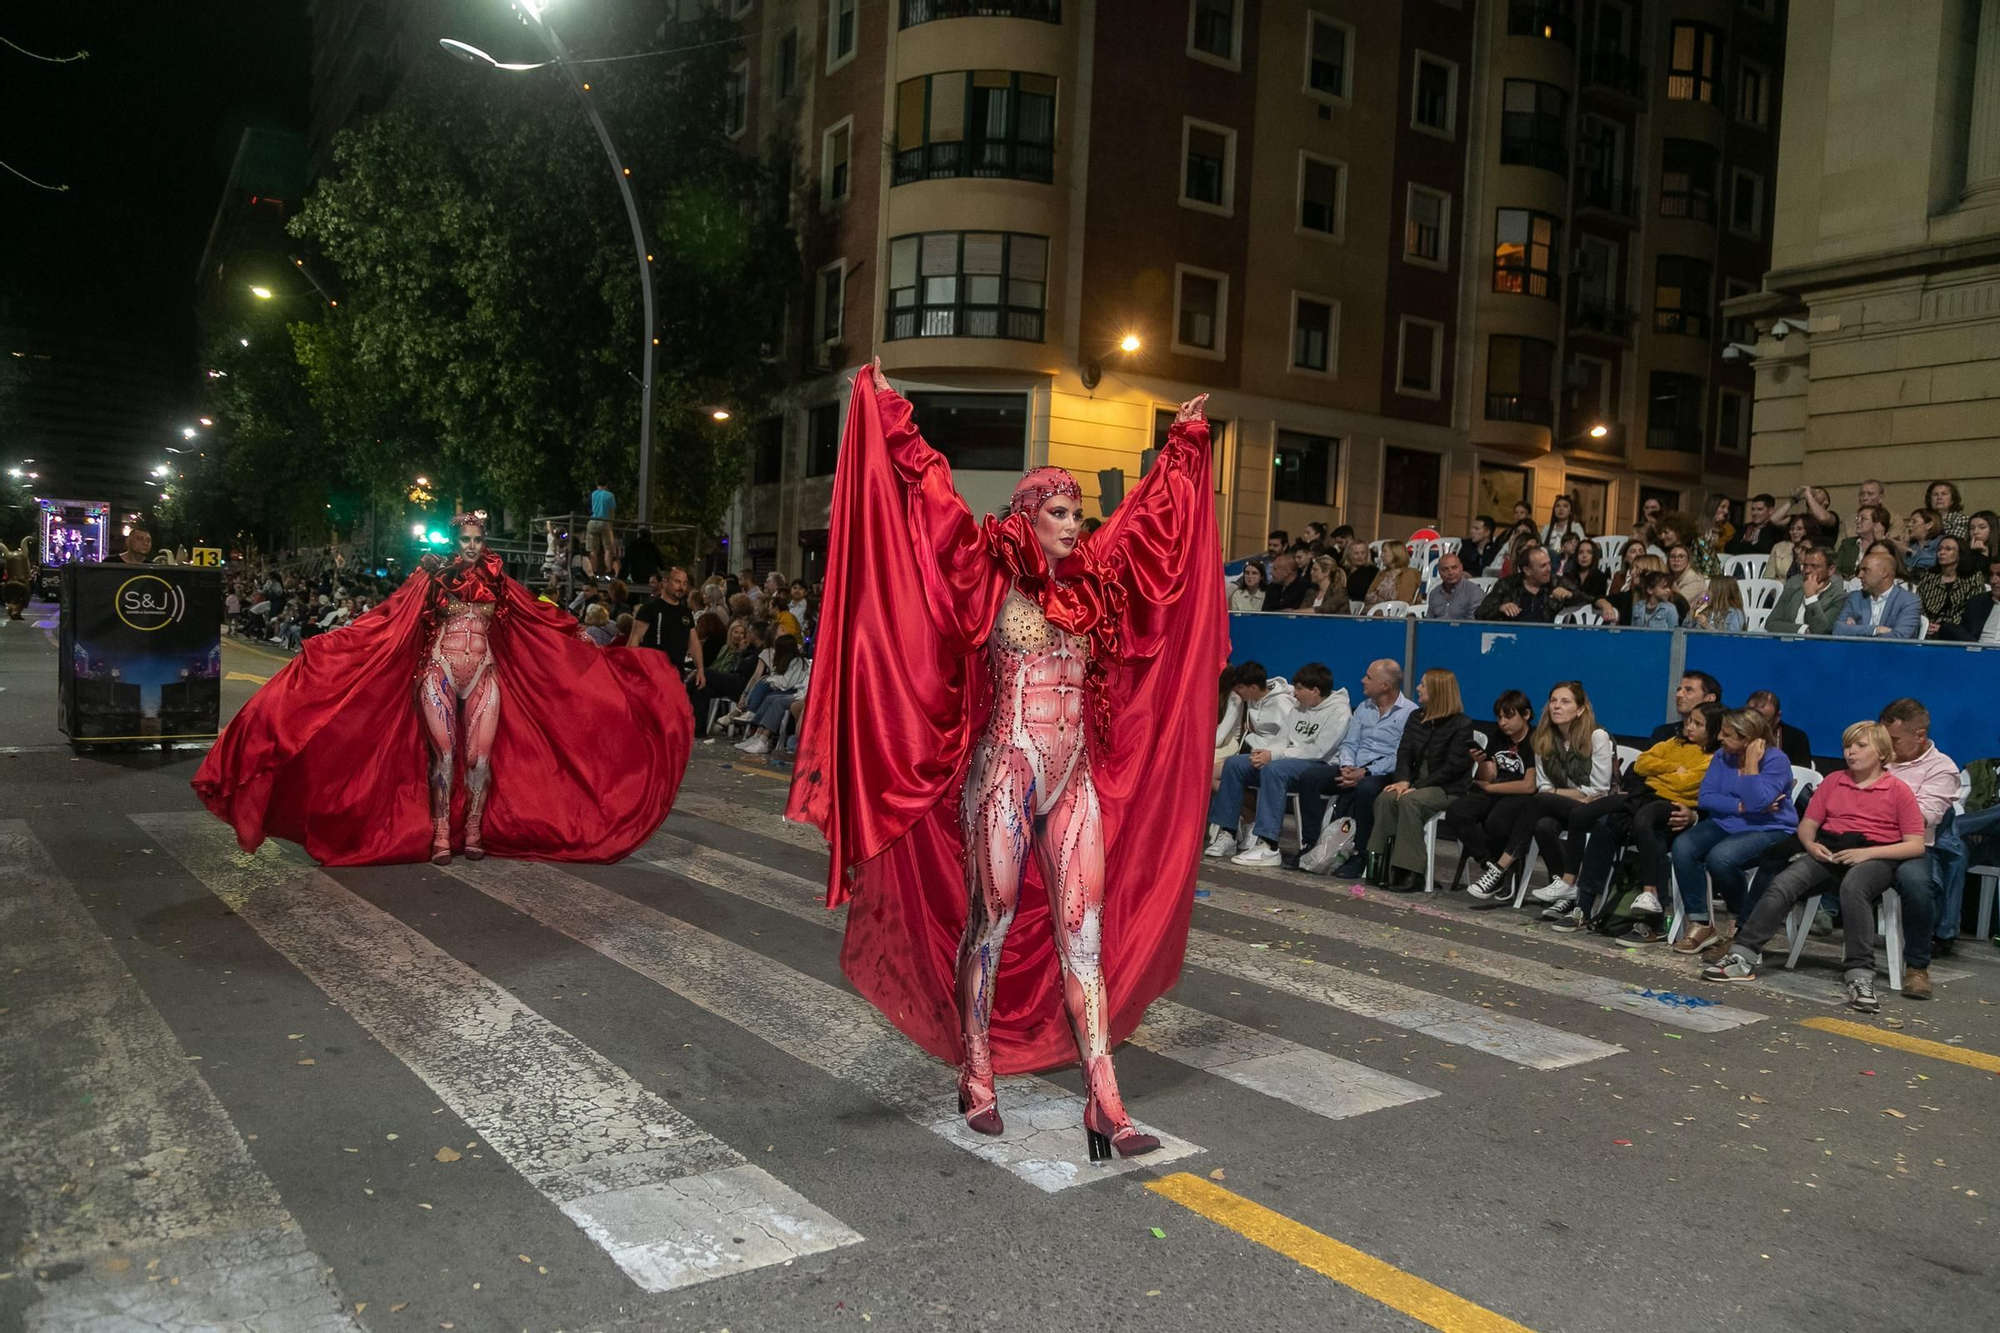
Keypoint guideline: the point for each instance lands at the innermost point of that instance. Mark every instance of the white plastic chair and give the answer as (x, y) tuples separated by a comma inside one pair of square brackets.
[(1888, 924), (1989, 888), (1613, 551), (1580, 615), (1923, 627), (1375, 552), (1755, 618), (1434, 823), (1448, 545), (1389, 611), (1745, 566), (1759, 591), (1420, 610), (1484, 582)]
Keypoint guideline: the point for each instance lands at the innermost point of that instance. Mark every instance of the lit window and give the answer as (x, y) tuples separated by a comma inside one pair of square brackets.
[(1322, 196), (1524, 252), (1695, 55), (1680, 295), (988, 123)]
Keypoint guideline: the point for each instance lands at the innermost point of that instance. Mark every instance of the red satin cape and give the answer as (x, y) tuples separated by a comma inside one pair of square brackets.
[(591, 747), (900, 692)]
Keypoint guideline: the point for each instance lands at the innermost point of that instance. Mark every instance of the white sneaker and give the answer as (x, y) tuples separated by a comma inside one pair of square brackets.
[(756, 745), (1555, 891), (1647, 902), (1222, 844), (1257, 854)]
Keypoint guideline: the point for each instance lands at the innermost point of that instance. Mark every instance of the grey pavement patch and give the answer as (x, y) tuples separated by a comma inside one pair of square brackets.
[(577, 1127), (125, 1161), (1264, 1062), (719, 810), (822, 1026), (1525, 973)]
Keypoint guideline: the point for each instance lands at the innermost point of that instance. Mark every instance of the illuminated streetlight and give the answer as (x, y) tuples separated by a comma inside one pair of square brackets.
[(1129, 343), (1599, 431), (206, 421), (244, 341), (720, 414), (261, 293), (13, 472), (423, 481), (416, 529), (187, 432)]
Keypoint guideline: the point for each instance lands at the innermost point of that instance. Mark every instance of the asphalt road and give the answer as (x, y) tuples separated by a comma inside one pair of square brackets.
[(243, 1093)]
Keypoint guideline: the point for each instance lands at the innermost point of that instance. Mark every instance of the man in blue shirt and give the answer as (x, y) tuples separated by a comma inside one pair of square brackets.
[(603, 542), (1363, 765)]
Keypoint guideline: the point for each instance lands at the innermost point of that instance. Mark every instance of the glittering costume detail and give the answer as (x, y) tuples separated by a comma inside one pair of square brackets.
[(1028, 790), (458, 697)]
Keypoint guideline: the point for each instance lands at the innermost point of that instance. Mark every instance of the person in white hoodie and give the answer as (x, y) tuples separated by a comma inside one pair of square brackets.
[(1315, 725), (1256, 713)]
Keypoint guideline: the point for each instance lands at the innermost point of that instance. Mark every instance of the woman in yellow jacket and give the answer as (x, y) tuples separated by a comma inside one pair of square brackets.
[(1655, 800)]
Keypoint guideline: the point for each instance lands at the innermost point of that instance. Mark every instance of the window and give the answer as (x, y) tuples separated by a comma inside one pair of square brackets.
[(1201, 302), (1591, 379), (1427, 229), (1753, 94), (1590, 499), (829, 303), (767, 452), (970, 284), (981, 122), (822, 439), (1410, 485), (1694, 56), (1329, 53), (1419, 357), (1687, 180), (1673, 412), (1524, 252), (736, 101), (1322, 196), (983, 431), (1746, 203), (1518, 374), (1737, 328), (787, 72), (1601, 157), (1680, 296), (842, 16), (1215, 30), (1208, 167), (1315, 334), (1218, 429), (1499, 489), (834, 164), (1594, 278), (1532, 116), (1550, 19), (1732, 421), (1434, 103), (924, 11), (1303, 467)]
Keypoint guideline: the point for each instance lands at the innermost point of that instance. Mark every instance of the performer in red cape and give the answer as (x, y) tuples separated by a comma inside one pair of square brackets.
[(569, 752), (1008, 744)]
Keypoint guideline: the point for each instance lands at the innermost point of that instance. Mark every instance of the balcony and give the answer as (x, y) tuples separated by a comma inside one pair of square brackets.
[(1616, 73), (1548, 152), (964, 321), (1694, 205), (924, 11), (994, 159), (1519, 407), (1677, 439), (1541, 18), (1598, 315), (1692, 323), (1612, 198)]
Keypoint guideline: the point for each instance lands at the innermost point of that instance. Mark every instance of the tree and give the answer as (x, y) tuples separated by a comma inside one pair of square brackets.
[(489, 312)]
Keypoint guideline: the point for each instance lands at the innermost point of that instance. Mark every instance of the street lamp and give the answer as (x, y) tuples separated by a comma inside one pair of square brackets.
[(620, 173), (1129, 343), (1599, 431), (719, 414), (262, 294)]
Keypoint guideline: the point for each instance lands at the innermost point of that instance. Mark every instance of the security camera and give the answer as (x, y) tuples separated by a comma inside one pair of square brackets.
[(1739, 352), (1785, 326)]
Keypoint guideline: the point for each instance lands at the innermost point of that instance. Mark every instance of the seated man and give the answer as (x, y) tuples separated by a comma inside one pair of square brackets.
[(1860, 824), (1980, 622), (1880, 607), (1534, 595), (1363, 766), (1317, 723), (1455, 597), (1789, 738), (1939, 875), (1811, 604), (1696, 688), (1759, 532), (1482, 547)]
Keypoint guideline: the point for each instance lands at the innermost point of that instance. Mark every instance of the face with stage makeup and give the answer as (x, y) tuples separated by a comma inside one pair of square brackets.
[(1058, 524), (471, 541)]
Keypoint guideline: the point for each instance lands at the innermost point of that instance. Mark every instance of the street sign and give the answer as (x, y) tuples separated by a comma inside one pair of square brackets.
[(205, 555)]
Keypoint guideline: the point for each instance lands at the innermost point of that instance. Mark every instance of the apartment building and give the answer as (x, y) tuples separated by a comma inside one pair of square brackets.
[(1428, 257)]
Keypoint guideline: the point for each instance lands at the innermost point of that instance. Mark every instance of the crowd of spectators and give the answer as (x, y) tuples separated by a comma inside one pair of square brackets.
[(1720, 811), (1790, 567)]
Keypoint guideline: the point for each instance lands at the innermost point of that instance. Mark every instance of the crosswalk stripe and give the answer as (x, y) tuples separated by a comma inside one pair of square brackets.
[(121, 1157), (820, 1025), (1525, 973), (720, 810), (668, 1202), (1302, 1076)]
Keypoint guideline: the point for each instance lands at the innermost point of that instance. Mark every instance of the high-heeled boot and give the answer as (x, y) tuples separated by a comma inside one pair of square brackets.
[(475, 809), (1106, 1127), (440, 842), (978, 1100)]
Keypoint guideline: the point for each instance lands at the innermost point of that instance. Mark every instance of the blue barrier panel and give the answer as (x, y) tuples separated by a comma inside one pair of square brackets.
[(1825, 683), (1284, 643), (1628, 673)]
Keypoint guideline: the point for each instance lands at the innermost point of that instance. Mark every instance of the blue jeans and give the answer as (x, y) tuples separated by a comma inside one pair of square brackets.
[(1273, 783), (771, 712), (1708, 850)]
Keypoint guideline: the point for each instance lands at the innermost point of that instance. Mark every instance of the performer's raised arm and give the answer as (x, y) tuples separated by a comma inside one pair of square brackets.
[(1145, 540)]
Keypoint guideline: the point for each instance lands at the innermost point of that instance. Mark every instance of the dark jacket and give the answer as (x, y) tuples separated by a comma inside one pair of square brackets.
[(1436, 754), (1288, 597), (1971, 622), (1541, 608)]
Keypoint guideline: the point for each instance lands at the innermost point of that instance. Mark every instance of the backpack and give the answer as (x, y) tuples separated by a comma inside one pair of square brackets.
[(1612, 914)]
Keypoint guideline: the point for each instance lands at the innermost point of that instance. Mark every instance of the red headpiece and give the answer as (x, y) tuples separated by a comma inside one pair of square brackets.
[(1035, 489), (474, 516)]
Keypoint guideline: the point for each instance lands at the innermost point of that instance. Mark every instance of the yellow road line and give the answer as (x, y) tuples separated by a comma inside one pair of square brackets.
[(245, 675), (1403, 1292), (242, 647), (1937, 1050)]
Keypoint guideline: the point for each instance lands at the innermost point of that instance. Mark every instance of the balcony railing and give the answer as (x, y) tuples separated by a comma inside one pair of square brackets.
[(924, 11), (1607, 196), (965, 321), (1674, 439), (1693, 323), (1695, 205), (1541, 18), (1599, 314), (995, 159), (1530, 140), (1519, 407), (1617, 72)]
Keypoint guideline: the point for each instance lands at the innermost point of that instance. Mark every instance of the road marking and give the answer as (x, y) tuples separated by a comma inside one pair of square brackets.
[(116, 1147), (820, 1025), (242, 647), (1402, 1292), (723, 810), (1526, 973), (1936, 1050), (244, 675), (1302, 1076), (667, 1201)]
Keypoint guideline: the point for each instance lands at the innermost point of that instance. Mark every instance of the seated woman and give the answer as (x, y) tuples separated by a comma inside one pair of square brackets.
[(1433, 766), (597, 625), (1858, 827), (780, 674), (1785, 555), (1500, 773), (1358, 567), (1946, 587), (1918, 547), (1689, 581), (1231, 715), (1585, 568), (1746, 798), (1615, 607), (1663, 779), (1247, 593), (728, 670), (1721, 606), (1396, 583), (1574, 760), (1326, 592)]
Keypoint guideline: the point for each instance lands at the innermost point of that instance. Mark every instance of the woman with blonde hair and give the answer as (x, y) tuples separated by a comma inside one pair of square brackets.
[(1397, 582), (1433, 768), (1573, 763), (1628, 587), (1744, 805), (1326, 595), (1721, 606)]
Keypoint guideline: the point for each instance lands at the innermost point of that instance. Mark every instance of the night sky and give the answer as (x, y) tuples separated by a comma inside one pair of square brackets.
[(143, 133)]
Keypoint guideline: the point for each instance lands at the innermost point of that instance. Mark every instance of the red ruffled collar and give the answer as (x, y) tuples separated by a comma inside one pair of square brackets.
[(476, 581), (1080, 595)]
